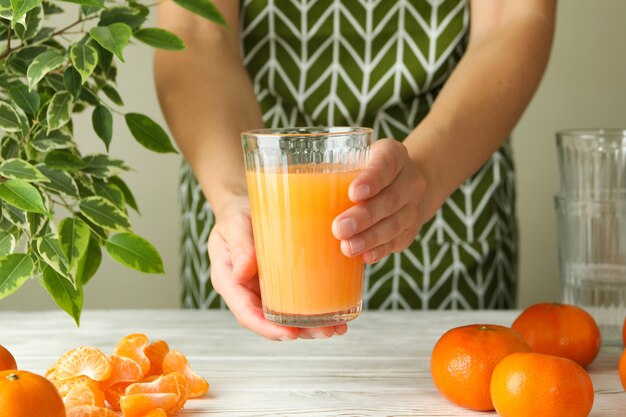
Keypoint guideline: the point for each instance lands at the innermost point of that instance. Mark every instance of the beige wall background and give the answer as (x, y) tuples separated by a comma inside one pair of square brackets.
[(585, 86)]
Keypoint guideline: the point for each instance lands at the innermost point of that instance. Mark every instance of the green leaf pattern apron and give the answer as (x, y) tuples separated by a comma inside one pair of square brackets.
[(377, 63)]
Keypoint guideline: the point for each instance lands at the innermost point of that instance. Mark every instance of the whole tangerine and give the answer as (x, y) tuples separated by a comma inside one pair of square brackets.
[(622, 369), (464, 357), (7, 361), (535, 384), (24, 394), (560, 330)]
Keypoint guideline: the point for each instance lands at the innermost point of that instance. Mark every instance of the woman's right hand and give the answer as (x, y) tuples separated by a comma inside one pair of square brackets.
[(234, 275)]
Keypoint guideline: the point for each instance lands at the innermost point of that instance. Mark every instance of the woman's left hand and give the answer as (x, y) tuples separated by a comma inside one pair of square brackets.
[(389, 193)]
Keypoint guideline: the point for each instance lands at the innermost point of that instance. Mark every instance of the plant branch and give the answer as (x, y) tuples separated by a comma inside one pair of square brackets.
[(9, 39), (71, 25), (8, 50)]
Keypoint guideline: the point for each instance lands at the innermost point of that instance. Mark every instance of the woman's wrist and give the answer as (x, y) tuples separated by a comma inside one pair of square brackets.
[(229, 200)]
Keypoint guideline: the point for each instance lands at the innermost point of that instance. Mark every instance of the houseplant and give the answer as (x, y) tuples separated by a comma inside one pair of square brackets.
[(59, 208)]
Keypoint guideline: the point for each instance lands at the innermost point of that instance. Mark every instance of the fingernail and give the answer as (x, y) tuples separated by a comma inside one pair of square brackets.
[(356, 245), (285, 338), (347, 227), (320, 335), (361, 192)]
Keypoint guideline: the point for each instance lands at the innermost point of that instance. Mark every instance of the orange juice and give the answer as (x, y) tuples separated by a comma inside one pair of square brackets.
[(302, 270)]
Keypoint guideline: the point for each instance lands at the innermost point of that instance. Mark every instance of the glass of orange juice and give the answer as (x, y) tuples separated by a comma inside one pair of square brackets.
[(298, 182)]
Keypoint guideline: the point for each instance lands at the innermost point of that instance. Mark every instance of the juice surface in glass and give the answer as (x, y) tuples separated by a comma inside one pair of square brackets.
[(302, 270)]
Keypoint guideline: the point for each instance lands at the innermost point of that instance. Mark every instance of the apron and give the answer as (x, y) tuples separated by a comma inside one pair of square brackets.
[(375, 63)]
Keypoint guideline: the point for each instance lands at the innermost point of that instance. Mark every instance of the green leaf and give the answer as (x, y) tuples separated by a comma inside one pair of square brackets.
[(63, 292), (49, 249), (22, 195), (21, 7), (104, 213), (14, 215), (73, 237), (112, 94), (128, 15), (6, 12), (55, 81), (57, 139), (64, 160), (129, 198), (102, 121), (19, 169), (203, 8), (9, 119), (24, 122), (43, 64), (85, 58), (32, 24), (103, 166), (86, 94), (111, 192), (89, 10), (105, 58), (15, 269), (89, 263), (72, 81), (93, 3), (160, 38), (85, 185), (28, 100), (9, 147), (7, 243), (60, 181), (113, 38), (134, 252), (96, 231), (50, 8), (36, 223), (43, 35), (59, 110), (148, 133)]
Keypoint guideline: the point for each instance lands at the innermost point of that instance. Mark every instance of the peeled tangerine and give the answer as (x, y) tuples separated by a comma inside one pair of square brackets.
[(534, 384)]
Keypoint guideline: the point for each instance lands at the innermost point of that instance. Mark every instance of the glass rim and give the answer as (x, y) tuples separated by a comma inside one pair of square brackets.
[(593, 133), (308, 131), (567, 200)]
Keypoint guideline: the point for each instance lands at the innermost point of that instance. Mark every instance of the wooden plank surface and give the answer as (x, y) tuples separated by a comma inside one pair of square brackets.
[(379, 368)]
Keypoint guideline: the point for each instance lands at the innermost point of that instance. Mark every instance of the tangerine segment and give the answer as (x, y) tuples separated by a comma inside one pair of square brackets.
[(90, 411), (175, 361), (7, 361), (159, 412), (535, 384), (464, 358), (83, 395), (622, 369), (114, 393), (24, 394), (132, 346), (123, 369), (174, 383), (156, 351), (84, 360), (137, 405), (65, 386)]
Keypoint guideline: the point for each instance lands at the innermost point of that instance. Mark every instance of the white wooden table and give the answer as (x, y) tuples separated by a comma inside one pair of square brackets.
[(379, 368)]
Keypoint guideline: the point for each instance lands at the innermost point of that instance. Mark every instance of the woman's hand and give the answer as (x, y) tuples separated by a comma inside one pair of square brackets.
[(234, 275), (389, 193)]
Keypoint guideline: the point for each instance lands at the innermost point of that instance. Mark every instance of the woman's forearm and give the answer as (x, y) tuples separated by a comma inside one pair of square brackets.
[(480, 103), (208, 100)]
